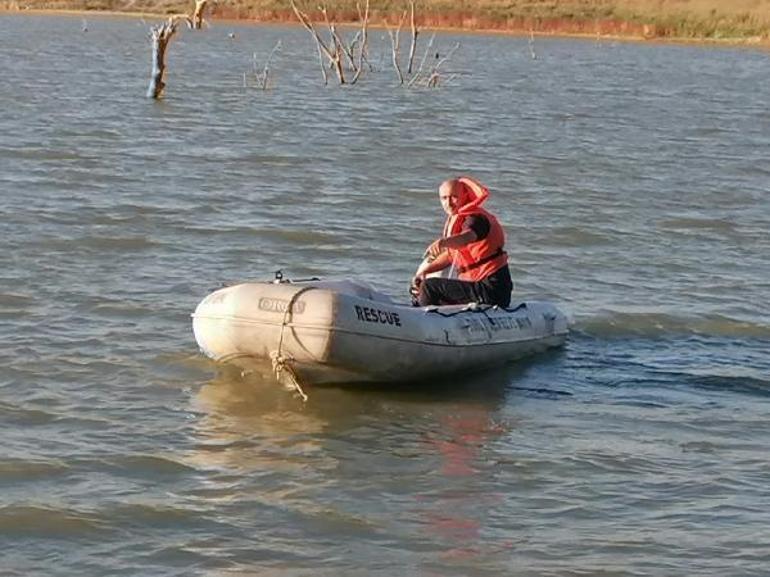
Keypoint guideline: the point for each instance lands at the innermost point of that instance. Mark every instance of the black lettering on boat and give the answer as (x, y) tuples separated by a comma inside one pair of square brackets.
[(280, 305), (378, 316), (476, 326), (503, 324)]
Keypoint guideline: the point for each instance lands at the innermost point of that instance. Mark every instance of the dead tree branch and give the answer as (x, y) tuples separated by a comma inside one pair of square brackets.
[(349, 50), (532, 44), (415, 32), (333, 53), (428, 50), (363, 42), (160, 35), (334, 38), (196, 20), (321, 62), (335, 49), (262, 78), (434, 77), (394, 42)]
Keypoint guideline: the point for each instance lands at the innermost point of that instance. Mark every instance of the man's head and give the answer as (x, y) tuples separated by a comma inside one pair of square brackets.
[(452, 195)]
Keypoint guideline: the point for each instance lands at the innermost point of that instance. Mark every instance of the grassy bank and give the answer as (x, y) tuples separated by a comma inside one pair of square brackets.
[(732, 20)]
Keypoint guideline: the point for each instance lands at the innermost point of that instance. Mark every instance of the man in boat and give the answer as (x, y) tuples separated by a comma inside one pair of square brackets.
[(472, 247)]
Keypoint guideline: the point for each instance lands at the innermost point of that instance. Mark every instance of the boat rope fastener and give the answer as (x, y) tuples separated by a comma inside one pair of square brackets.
[(282, 367), (280, 362)]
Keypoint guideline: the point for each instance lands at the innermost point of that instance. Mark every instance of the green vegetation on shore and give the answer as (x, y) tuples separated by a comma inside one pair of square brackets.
[(735, 20)]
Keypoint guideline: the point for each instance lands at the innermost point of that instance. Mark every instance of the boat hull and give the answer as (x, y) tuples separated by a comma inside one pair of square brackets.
[(327, 334)]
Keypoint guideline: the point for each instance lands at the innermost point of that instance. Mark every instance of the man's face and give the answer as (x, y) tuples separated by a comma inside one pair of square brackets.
[(451, 197)]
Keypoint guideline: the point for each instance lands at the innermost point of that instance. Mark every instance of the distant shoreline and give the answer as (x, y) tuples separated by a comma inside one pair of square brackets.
[(608, 31)]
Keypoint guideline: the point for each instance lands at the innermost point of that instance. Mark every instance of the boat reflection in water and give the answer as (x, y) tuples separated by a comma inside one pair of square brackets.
[(357, 475)]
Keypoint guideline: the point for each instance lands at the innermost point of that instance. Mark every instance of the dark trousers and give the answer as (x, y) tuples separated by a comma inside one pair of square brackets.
[(493, 290)]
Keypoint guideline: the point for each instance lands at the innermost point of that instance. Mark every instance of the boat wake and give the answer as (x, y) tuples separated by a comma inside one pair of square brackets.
[(620, 324), (737, 383)]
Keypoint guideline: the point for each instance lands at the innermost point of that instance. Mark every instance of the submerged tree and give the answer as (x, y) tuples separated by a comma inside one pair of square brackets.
[(395, 43), (160, 35), (415, 33), (336, 48), (431, 76), (395, 39), (262, 78), (196, 20)]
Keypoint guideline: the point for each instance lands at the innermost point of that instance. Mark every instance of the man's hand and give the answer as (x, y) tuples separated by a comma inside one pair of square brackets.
[(457, 241), (431, 265), (436, 248), (414, 286)]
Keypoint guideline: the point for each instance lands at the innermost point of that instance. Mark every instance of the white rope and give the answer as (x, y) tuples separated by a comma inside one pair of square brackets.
[(280, 362), (281, 366)]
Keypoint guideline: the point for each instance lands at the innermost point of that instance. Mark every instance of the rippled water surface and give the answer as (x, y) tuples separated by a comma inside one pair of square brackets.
[(633, 183)]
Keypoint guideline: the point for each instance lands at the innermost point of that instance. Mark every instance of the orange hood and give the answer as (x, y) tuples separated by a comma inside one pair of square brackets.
[(475, 193)]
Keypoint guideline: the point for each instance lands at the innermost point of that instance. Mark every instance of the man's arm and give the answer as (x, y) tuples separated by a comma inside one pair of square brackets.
[(439, 263), (454, 241)]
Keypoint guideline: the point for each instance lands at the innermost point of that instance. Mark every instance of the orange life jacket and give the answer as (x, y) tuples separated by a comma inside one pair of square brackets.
[(479, 259)]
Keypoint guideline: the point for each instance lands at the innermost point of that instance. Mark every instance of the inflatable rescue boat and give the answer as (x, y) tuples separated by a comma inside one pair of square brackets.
[(336, 332)]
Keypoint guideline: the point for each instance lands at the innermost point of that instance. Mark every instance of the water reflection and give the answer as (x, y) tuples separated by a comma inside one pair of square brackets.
[(415, 466), (457, 515), (247, 424)]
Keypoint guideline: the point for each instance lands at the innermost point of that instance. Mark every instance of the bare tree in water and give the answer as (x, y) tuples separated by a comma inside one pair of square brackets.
[(160, 35), (335, 49)]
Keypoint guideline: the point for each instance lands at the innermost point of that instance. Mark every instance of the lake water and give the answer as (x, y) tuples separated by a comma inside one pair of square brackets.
[(633, 182)]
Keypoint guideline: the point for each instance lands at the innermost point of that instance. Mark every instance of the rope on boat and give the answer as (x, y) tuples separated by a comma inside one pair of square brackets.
[(281, 363), (474, 307), (281, 366)]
